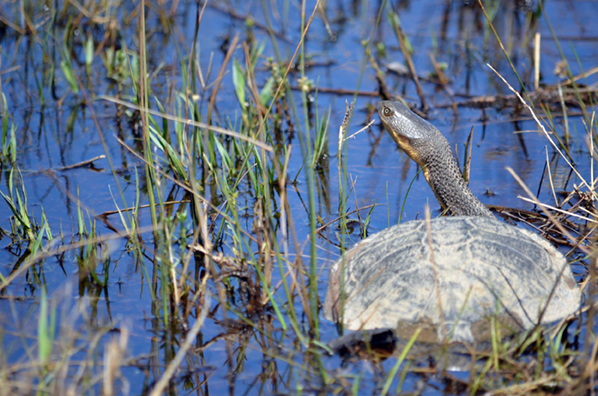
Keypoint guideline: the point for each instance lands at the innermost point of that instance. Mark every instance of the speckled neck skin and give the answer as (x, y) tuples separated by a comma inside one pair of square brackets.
[(426, 146)]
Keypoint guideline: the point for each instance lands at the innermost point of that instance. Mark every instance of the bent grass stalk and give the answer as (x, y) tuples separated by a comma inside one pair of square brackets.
[(393, 371)]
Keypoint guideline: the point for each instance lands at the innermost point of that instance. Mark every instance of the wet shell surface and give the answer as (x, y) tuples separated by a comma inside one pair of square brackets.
[(478, 268)]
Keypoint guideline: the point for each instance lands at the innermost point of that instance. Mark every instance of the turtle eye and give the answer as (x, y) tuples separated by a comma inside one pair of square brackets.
[(387, 112)]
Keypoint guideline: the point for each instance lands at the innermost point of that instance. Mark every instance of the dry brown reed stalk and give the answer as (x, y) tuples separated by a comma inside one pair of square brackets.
[(537, 61), (7, 22), (401, 37), (361, 231), (365, 286), (227, 58), (79, 164), (581, 76), (435, 270), (442, 78), (383, 88), (252, 83), (114, 354), (209, 264)]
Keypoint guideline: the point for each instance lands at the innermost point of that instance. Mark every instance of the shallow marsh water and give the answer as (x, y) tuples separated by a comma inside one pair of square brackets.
[(55, 129)]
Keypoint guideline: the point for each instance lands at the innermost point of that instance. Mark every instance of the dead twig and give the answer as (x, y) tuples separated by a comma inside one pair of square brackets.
[(81, 164)]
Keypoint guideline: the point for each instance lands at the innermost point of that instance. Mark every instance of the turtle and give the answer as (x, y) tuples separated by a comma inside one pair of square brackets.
[(452, 277)]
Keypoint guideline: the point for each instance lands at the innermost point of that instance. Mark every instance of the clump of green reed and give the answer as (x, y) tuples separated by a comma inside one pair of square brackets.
[(24, 226), (9, 140), (90, 254)]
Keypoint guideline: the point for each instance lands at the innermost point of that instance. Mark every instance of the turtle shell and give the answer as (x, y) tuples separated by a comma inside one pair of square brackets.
[(472, 269)]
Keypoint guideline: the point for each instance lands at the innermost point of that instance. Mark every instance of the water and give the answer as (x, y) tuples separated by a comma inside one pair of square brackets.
[(55, 130)]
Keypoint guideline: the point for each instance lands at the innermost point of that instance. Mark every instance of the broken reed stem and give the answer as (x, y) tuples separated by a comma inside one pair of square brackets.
[(81, 164), (359, 131), (537, 61)]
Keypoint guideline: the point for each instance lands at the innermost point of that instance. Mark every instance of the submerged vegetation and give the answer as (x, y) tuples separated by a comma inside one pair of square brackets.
[(177, 178)]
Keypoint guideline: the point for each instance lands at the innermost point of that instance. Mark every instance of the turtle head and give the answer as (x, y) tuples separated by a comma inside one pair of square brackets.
[(414, 135), (426, 146)]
